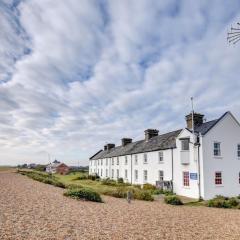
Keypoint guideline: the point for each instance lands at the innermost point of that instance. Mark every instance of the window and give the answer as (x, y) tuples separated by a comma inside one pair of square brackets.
[(136, 160), (185, 144), (101, 172), (186, 179), (98, 172), (239, 177), (216, 149), (95, 162), (101, 162), (98, 163), (126, 160), (106, 161), (106, 173), (218, 178), (126, 173), (161, 175), (238, 150), (145, 175), (112, 173), (145, 158), (117, 160), (117, 173), (160, 155), (112, 161), (136, 175)]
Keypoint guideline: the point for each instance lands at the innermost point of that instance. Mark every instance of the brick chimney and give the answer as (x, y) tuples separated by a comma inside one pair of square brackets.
[(126, 141), (149, 133), (110, 146), (197, 119)]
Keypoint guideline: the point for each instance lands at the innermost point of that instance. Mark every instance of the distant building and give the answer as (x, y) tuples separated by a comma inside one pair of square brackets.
[(200, 160), (57, 167)]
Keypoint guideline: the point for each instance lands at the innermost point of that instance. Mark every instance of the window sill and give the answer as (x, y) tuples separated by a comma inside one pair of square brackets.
[(218, 157), (161, 162), (220, 185), (186, 187), (145, 163)]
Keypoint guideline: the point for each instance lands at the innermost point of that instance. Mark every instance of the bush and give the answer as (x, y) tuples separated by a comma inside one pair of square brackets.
[(118, 193), (108, 182), (223, 202), (148, 186), (120, 180), (143, 195), (74, 186), (84, 194), (93, 177), (81, 177), (173, 200)]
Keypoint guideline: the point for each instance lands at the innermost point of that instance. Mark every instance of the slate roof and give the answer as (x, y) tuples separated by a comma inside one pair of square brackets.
[(205, 127), (160, 142)]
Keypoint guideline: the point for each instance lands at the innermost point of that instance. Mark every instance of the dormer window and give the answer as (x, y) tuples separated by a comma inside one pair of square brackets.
[(185, 144)]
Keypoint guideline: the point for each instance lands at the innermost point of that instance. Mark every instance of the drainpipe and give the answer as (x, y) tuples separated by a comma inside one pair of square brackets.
[(172, 168), (199, 172)]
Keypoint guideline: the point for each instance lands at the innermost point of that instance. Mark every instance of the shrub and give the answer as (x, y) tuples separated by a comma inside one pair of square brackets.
[(148, 186), (143, 195), (173, 200), (73, 186), (120, 180), (108, 182), (118, 192), (233, 201), (157, 192), (223, 202), (84, 194), (81, 177)]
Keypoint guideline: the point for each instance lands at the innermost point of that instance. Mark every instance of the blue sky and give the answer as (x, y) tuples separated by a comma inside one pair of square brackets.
[(79, 73)]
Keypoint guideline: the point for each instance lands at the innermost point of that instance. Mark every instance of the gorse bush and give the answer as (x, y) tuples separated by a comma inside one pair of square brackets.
[(173, 200), (224, 202), (84, 194), (148, 186), (43, 177)]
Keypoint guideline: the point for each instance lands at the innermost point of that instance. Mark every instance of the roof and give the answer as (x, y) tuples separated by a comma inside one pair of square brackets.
[(160, 142), (205, 127)]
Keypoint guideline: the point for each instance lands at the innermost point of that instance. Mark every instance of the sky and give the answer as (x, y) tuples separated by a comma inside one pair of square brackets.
[(77, 74)]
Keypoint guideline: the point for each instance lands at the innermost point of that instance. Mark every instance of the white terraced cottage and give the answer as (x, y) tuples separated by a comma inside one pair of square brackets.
[(201, 160)]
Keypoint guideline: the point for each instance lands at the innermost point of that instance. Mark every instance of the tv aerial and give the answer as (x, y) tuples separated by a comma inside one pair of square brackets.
[(234, 35)]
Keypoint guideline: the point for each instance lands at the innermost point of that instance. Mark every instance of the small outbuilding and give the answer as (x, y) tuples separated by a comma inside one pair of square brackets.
[(57, 167)]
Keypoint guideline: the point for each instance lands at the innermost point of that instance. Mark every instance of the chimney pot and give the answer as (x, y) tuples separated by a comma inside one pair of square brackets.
[(197, 119), (149, 133), (126, 141)]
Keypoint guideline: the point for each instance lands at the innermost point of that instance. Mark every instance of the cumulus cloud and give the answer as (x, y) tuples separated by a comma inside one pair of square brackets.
[(77, 74)]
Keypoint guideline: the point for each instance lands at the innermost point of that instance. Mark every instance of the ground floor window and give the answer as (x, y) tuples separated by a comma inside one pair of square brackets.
[(160, 175), (101, 172), (117, 173), (186, 179), (136, 175), (218, 178), (239, 177), (106, 173), (145, 175), (126, 173), (112, 173)]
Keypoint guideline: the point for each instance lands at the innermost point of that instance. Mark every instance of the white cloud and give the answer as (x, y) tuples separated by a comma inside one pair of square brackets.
[(76, 74)]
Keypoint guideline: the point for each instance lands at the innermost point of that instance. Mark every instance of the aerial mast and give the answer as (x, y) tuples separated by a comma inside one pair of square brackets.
[(234, 35)]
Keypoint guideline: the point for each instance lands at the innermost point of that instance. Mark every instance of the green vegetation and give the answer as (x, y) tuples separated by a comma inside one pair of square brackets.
[(224, 202), (43, 177), (173, 200), (83, 194)]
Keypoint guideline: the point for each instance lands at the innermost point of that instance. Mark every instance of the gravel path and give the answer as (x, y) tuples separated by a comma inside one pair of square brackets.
[(33, 210)]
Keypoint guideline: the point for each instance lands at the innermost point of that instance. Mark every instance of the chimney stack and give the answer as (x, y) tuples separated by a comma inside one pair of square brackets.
[(126, 141), (149, 133), (110, 146), (105, 148), (197, 119)]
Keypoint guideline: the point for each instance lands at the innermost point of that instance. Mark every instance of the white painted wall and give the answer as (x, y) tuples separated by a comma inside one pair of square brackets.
[(227, 131)]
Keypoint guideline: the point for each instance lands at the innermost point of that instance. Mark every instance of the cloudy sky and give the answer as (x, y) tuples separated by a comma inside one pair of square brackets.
[(79, 73)]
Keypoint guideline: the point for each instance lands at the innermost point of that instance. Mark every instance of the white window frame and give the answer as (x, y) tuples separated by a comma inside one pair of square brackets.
[(126, 173), (101, 173), (161, 175), (126, 160), (106, 172), (217, 149), (106, 161), (136, 159), (145, 176), (112, 161), (112, 173), (238, 151), (117, 160), (186, 182), (239, 177), (136, 175), (218, 178), (160, 157), (145, 158), (185, 147), (117, 173), (101, 162)]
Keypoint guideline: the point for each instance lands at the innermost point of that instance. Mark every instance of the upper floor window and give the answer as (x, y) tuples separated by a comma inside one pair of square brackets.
[(161, 175), (145, 175), (145, 159), (136, 160), (160, 155), (186, 179), (106, 161), (238, 150), (112, 161), (101, 162), (117, 160), (218, 178), (185, 144), (126, 160), (217, 149), (98, 162)]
